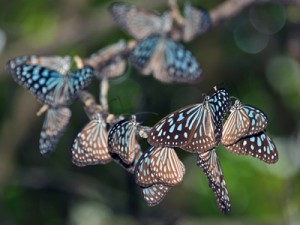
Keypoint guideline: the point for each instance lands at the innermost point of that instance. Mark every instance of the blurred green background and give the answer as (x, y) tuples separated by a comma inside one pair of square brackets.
[(255, 55)]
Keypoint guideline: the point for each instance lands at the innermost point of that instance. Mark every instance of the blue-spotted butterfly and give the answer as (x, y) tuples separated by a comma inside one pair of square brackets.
[(154, 194), (55, 123), (109, 62), (244, 120), (258, 145), (195, 128), (90, 146), (166, 59), (159, 165), (48, 79), (196, 21), (122, 139), (140, 23), (210, 164)]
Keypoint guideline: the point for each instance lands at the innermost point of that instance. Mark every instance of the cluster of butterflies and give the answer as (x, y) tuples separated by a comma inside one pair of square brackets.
[(197, 129)]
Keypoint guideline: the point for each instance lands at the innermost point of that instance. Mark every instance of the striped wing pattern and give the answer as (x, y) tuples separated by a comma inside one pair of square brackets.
[(55, 123), (259, 145), (122, 141), (196, 21), (210, 164), (159, 166), (90, 146), (140, 23), (244, 120), (154, 194)]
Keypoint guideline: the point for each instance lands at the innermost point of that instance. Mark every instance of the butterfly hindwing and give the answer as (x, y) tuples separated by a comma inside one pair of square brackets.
[(159, 165), (210, 164), (90, 146), (55, 122), (154, 194), (259, 145)]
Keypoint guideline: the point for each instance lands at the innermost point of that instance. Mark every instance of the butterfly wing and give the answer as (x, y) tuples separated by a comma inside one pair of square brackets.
[(110, 61), (179, 63), (154, 194), (244, 120), (259, 145), (196, 21), (138, 22), (210, 164), (55, 123), (90, 146), (159, 166), (218, 105), (121, 140)]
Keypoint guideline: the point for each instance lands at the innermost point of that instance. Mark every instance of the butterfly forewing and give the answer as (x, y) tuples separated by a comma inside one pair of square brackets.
[(138, 22), (90, 146), (55, 123), (244, 120), (211, 166), (196, 21), (154, 194), (122, 141), (259, 145)]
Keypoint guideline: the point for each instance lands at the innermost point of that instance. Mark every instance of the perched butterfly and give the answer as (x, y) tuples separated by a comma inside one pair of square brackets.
[(90, 146), (194, 128), (166, 59), (244, 120), (140, 23), (211, 166), (50, 83), (55, 123), (259, 145), (122, 140), (109, 62), (196, 21), (154, 194), (129, 167), (160, 165)]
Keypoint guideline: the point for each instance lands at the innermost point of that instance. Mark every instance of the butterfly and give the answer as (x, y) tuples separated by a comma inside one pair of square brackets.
[(166, 59), (48, 79), (122, 140), (154, 194), (244, 120), (196, 21), (159, 165), (258, 145), (140, 23), (195, 128), (55, 123), (110, 61), (210, 164), (90, 146)]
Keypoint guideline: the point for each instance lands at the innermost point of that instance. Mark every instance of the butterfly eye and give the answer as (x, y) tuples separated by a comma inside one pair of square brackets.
[(90, 146)]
